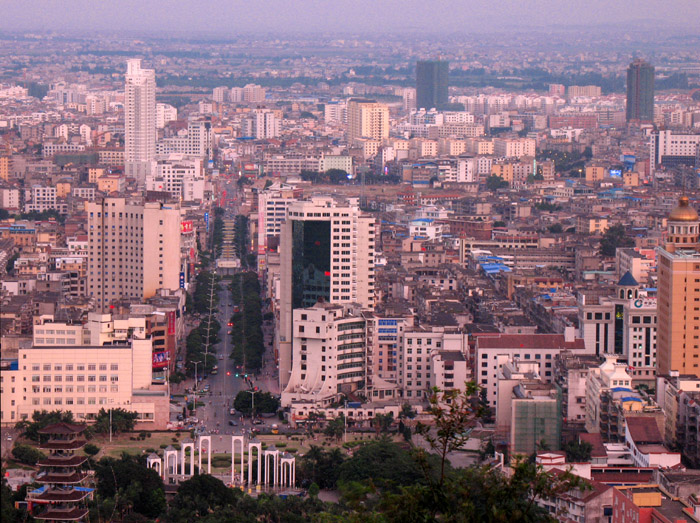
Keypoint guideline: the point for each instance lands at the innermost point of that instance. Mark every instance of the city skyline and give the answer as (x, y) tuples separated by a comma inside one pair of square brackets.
[(426, 249)]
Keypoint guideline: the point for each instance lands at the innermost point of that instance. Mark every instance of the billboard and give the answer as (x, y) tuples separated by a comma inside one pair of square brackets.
[(186, 226), (160, 360), (615, 173)]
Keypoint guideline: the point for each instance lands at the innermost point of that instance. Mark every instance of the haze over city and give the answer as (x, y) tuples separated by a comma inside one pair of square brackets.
[(389, 261), (436, 16)]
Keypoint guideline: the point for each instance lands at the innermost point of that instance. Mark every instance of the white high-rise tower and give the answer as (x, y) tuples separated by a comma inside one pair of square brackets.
[(139, 120)]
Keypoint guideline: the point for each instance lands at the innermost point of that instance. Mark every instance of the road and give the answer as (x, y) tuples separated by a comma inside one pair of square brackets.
[(224, 385)]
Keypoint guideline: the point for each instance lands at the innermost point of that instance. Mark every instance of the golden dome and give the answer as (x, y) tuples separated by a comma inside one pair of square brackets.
[(684, 212)]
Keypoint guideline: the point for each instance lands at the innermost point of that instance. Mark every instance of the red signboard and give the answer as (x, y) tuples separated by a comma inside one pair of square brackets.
[(186, 227), (160, 359), (171, 323)]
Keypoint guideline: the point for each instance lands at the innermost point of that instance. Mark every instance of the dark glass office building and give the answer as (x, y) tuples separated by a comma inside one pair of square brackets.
[(640, 91), (431, 84), (311, 262)]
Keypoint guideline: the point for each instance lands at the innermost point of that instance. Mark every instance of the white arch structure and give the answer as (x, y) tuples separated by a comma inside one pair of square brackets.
[(274, 454), (187, 444), (241, 441), (288, 470), (201, 441), (254, 444)]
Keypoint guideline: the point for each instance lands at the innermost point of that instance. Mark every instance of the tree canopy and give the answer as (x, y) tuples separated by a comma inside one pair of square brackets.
[(614, 238)]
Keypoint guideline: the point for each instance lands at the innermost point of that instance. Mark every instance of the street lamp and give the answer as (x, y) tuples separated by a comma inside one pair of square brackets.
[(195, 363), (252, 408)]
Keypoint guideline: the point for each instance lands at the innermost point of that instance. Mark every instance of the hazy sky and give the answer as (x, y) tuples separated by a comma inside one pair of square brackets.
[(237, 16)]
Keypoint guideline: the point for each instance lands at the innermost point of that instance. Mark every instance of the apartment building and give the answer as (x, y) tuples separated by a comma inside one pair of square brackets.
[(134, 249)]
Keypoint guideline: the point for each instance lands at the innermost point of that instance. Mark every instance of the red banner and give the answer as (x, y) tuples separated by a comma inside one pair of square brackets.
[(171, 323), (186, 227)]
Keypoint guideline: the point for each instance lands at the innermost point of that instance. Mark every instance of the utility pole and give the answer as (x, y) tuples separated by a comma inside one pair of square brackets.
[(252, 408), (195, 373), (345, 422)]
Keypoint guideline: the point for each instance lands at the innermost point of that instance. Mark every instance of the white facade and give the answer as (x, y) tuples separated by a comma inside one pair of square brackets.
[(335, 112), (39, 198), (492, 352), (272, 212), (336, 161), (182, 177), (262, 124), (514, 148), (139, 120), (9, 198), (165, 113), (668, 143), (329, 354), (197, 141)]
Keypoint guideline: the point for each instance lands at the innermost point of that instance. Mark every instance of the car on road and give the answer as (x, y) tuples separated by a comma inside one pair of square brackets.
[(8, 437), (214, 371), (232, 423), (257, 422), (221, 356)]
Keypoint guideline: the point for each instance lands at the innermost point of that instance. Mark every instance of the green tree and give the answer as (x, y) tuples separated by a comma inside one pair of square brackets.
[(382, 422), (335, 428), (407, 412), (91, 449), (386, 464), (200, 496), (453, 414), (556, 228), (578, 451), (614, 238), (7, 508), (320, 466), (122, 421), (131, 484), (264, 402), (493, 183), (26, 454)]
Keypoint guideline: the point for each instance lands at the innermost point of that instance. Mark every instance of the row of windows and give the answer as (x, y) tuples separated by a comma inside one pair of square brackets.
[(69, 378), (69, 401), (69, 389), (79, 367)]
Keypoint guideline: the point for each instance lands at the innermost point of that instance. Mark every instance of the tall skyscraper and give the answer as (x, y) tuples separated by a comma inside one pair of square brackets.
[(640, 91), (367, 119), (326, 255), (133, 250), (432, 79), (139, 120), (678, 346)]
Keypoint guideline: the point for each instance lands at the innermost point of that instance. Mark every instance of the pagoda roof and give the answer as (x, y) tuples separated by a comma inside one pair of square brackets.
[(62, 495), (61, 514), (62, 479), (62, 428), (63, 445), (62, 461)]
